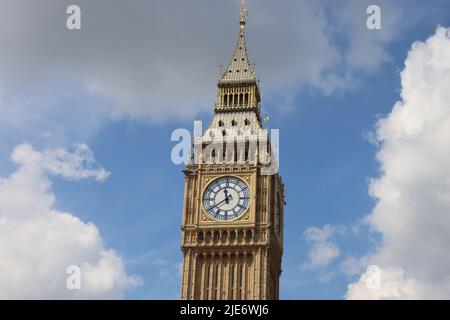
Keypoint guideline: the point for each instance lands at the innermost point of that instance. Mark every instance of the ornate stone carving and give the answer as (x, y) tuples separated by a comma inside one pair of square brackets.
[(240, 244)]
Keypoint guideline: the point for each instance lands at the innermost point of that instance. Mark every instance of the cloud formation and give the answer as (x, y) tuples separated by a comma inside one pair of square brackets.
[(413, 191), (38, 242), (159, 60), (322, 250)]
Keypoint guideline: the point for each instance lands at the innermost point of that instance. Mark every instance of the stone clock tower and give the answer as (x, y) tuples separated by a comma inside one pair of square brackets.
[(232, 229)]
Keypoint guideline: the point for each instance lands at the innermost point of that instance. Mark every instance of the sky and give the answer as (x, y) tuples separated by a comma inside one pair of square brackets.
[(86, 118)]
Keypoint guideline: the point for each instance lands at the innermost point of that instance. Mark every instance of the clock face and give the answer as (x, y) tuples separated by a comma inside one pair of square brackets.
[(226, 198)]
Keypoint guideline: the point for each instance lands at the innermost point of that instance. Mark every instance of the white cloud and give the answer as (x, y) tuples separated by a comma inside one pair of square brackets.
[(38, 242), (160, 59), (322, 254), (395, 284), (322, 250), (352, 266), (77, 165), (320, 235), (413, 191)]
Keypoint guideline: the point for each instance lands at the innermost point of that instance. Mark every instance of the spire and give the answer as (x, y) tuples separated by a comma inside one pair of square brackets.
[(239, 69)]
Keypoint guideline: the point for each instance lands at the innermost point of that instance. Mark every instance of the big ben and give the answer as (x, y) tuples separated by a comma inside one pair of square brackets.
[(232, 226)]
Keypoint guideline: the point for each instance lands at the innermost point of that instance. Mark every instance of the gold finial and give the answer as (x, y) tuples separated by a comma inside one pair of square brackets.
[(242, 14)]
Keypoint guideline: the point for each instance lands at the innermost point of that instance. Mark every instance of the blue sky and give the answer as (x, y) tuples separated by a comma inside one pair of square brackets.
[(327, 159)]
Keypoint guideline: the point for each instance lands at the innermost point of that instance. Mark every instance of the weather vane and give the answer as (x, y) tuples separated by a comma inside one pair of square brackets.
[(243, 13)]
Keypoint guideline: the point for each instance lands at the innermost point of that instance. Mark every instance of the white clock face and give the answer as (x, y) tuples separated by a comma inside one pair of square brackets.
[(226, 198)]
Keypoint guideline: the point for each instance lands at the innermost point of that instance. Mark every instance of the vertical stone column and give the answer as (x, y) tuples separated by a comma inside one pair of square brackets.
[(185, 280)]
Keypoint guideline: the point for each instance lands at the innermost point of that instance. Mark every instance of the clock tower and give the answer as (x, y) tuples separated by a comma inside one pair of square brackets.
[(232, 226)]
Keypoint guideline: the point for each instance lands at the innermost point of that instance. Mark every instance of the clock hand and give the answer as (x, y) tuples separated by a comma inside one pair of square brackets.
[(226, 196), (219, 203)]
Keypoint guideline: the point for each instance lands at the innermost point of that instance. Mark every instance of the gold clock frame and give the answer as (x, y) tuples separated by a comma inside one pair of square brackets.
[(206, 217)]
